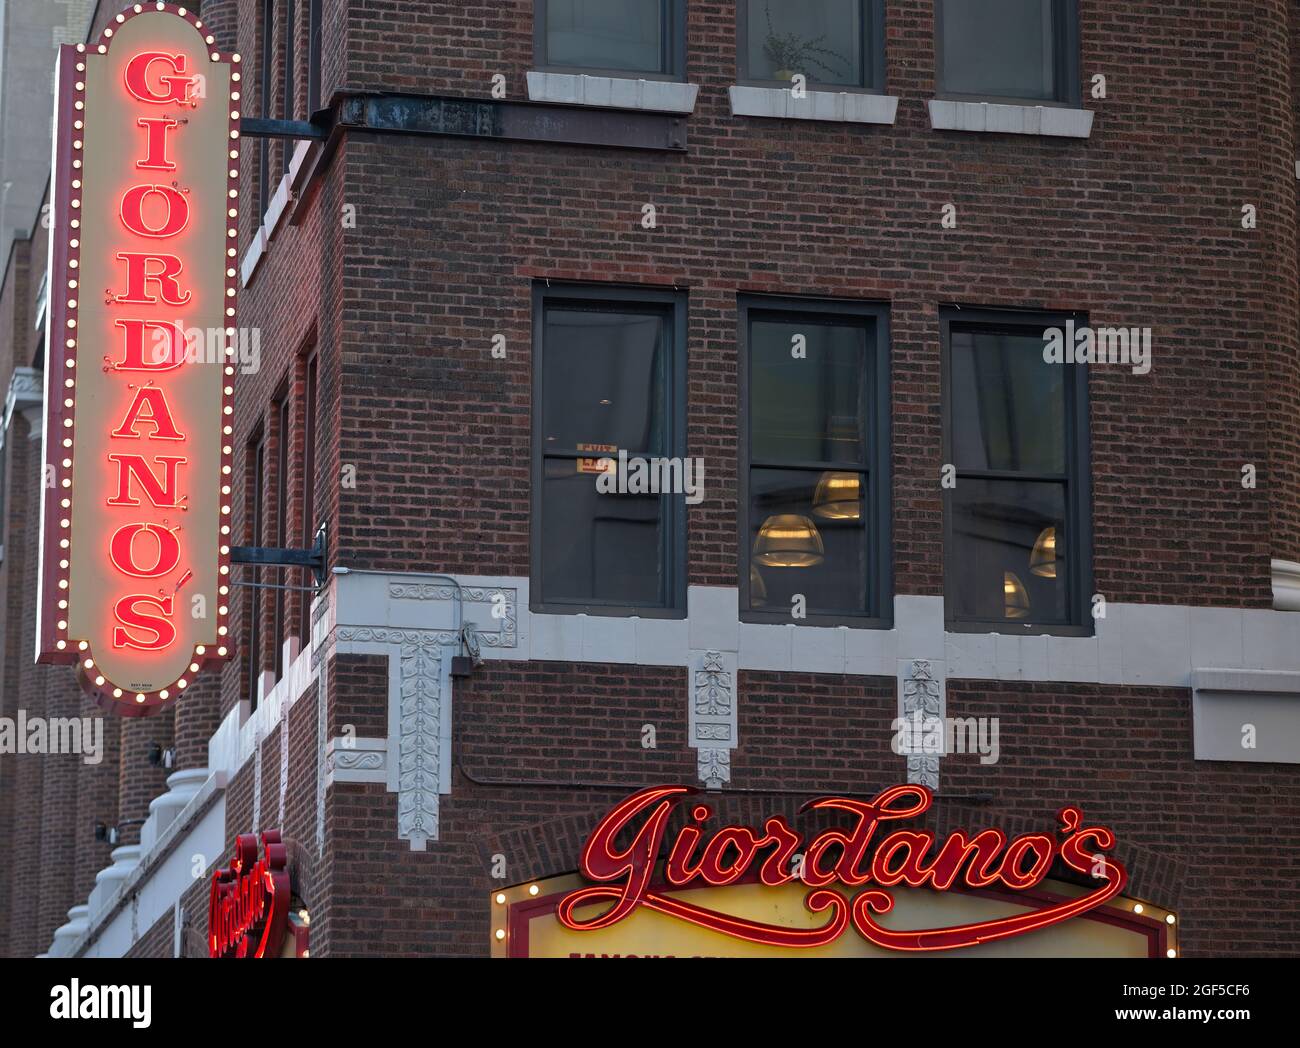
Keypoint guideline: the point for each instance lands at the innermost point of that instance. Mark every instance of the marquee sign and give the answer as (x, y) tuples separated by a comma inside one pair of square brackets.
[(248, 903), (741, 891), (135, 530)]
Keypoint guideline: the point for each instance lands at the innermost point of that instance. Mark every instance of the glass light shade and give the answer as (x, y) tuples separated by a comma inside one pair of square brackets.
[(757, 588), (1042, 561), (839, 496), (1015, 596), (789, 540)]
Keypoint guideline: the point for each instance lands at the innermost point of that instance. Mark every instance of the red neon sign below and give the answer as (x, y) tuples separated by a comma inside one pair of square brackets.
[(248, 904), (830, 863)]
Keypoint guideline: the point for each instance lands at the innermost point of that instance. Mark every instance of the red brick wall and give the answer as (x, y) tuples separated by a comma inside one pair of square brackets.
[(1124, 756), (835, 210)]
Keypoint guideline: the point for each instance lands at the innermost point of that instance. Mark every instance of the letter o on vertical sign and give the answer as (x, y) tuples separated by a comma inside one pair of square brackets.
[(135, 523)]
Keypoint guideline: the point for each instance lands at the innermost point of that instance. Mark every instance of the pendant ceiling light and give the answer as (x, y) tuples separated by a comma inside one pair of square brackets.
[(1015, 596), (839, 497), (1042, 561), (789, 540)]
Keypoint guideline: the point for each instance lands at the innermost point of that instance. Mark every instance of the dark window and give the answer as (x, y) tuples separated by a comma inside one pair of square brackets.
[(257, 534), (834, 42), (287, 74), (815, 490), (314, 52), (309, 522), (609, 377), (612, 36), (1018, 545), (283, 436), (1009, 49), (266, 93)]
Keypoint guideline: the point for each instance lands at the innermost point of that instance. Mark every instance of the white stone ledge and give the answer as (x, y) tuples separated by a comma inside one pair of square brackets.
[(278, 207), (1286, 585), (779, 103), (1247, 716), (579, 89), (1006, 119)]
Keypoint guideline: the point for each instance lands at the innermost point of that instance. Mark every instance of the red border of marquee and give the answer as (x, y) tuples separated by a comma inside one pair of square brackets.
[(54, 646), (1157, 932)]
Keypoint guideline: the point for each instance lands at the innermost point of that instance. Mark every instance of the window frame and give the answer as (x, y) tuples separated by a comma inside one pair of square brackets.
[(257, 449), (289, 79), (674, 36), (878, 433), (310, 437), (282, 406), (873, 53), (674, 304), (1078, 476), (266, 103), (315, 34), (1067, 62)]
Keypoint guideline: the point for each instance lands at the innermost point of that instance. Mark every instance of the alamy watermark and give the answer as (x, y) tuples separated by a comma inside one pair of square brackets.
[(1107, 345), (654, 476), (53, 735), (919, 734), (208, 345)]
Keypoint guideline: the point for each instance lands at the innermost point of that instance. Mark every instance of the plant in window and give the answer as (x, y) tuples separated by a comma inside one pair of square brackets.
[(791, 53)]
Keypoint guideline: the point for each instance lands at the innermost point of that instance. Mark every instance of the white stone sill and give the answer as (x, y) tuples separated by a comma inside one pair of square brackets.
[(276, 209), (1007, 119), (779, 103), (579, 89)]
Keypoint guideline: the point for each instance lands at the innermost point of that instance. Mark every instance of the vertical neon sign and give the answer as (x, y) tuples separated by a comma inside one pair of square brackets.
[(135, 530)]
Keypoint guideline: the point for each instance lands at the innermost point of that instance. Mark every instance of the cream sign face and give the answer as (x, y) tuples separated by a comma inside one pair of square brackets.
[(135, 535)]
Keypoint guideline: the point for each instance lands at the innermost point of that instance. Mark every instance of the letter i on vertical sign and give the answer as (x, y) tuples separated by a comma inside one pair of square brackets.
[(135, 520)]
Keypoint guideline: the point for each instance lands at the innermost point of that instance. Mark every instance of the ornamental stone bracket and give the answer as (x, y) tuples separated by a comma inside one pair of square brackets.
[(418, 622), (26, 395), (921, 702), (413, 761), (713, 724)]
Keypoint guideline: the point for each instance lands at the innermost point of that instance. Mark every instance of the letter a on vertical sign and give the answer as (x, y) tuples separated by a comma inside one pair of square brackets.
[(135, 528)]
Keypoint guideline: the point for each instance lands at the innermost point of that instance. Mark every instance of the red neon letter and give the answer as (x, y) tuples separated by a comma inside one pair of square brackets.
[(165, 357), (157, 128), (121, 551), (138, 279), (159, 415), (178, 211), (175, 88), (161, 493), (132, 619)]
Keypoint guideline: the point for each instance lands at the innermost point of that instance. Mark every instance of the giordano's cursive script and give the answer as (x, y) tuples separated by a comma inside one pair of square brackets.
[(836, 865)]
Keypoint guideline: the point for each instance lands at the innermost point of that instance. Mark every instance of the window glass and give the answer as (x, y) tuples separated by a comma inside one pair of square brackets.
[(812, 525), (604, 380), (1002, 48), (822, 39), (1011, 546), (1017, 545), (606, 549), (1008, 410), (805, 389), (808, 535), (604, 387), (607, 34)]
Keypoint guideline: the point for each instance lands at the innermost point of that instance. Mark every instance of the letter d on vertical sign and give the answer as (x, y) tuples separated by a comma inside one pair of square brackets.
[(138, 442)]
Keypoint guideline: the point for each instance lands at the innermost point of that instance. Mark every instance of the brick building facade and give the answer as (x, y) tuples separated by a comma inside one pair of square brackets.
[(462, 188)]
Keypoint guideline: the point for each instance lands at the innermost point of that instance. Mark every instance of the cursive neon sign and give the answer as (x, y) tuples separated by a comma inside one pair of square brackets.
[(248, 902), (849, 870)]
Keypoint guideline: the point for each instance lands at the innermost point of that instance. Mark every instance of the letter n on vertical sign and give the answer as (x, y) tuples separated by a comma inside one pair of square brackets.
[(135, 522)]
